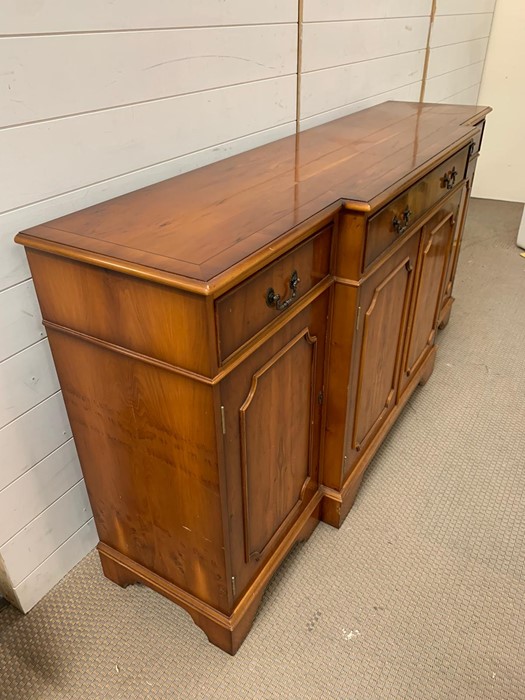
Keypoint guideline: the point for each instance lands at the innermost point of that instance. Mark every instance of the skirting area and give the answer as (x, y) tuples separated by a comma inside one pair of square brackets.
[(421, 594)]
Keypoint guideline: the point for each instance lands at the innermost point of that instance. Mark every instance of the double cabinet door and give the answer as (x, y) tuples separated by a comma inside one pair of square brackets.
[(435, 249), (271, 403), (399, 306), (272, 407)]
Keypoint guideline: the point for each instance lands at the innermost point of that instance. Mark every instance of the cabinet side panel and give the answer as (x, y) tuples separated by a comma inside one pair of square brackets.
[(147, 445), (161, 322)]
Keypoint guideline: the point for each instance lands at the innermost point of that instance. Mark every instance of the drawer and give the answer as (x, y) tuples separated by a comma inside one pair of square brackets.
[(476, 145), (385, 227), (247, 309)]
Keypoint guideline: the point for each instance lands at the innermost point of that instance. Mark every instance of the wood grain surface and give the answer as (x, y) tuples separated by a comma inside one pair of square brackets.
[(217, 421), (201, 224)]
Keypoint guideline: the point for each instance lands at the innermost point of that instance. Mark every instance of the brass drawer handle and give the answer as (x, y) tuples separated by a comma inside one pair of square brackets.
[(401, 225), (274, 299), (449, 179)]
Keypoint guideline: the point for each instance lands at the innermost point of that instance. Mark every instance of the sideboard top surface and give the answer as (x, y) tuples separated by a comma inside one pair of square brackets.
[(198, 227)]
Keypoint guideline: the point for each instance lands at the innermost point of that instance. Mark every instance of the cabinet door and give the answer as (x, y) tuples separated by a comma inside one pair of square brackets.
[(272, 404), (456, 244), (434, 254), (383, 302)]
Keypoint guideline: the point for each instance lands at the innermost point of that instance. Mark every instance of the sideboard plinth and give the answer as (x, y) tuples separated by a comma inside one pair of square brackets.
[(224, 631)]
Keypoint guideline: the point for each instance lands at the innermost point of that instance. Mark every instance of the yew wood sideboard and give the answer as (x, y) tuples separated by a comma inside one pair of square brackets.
[(234, 343)]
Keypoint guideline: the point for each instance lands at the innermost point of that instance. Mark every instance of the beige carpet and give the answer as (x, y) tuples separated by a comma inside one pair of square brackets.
[(420, 594)]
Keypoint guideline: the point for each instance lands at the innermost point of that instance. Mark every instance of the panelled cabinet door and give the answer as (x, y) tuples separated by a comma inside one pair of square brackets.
[(272, 405), (383, 301), (433, 259), (456, 244)]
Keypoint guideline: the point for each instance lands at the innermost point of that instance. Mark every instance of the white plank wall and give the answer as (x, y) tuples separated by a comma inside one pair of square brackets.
[(155, 65), (20, 319), (61, 16), (457, 49), (338, 10), (353, 83), (98, 99), (43, 483), (31, 437), (128, 137), (24, 552), (26, 379), (357, 54)]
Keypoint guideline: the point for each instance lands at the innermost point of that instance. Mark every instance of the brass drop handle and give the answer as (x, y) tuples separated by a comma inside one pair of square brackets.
[(274, 299), (401, 225), (449, 179)]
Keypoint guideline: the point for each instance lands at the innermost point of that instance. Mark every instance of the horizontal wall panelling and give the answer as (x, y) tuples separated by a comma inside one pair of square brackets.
[(51, 570), (445, 59), (328, 44), (339, 10), (100, 15), (355, 55), (465, 97), (408, 93), (464, 7), (13, 262), (444, 86), (40, 486), (335, 87), (457, 49), (114, 69), (32, 436), (20, 319), (26, 379), (454, 29), (39, 538), (130, 138)]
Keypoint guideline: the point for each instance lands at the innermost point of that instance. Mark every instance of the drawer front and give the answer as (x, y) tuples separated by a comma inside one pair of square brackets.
[(250, 307), (385, 227), (437, 239), (476, 145)]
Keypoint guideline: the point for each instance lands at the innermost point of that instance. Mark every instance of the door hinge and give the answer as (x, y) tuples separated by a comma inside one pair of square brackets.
[(234, 587), (320, 397), (358, 318), (223, 421)]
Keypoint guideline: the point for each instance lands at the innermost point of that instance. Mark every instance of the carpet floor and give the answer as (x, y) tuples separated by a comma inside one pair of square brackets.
[(421, 593)]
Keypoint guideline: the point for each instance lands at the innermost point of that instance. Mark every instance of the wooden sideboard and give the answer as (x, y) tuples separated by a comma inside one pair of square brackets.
[(234, 343)]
